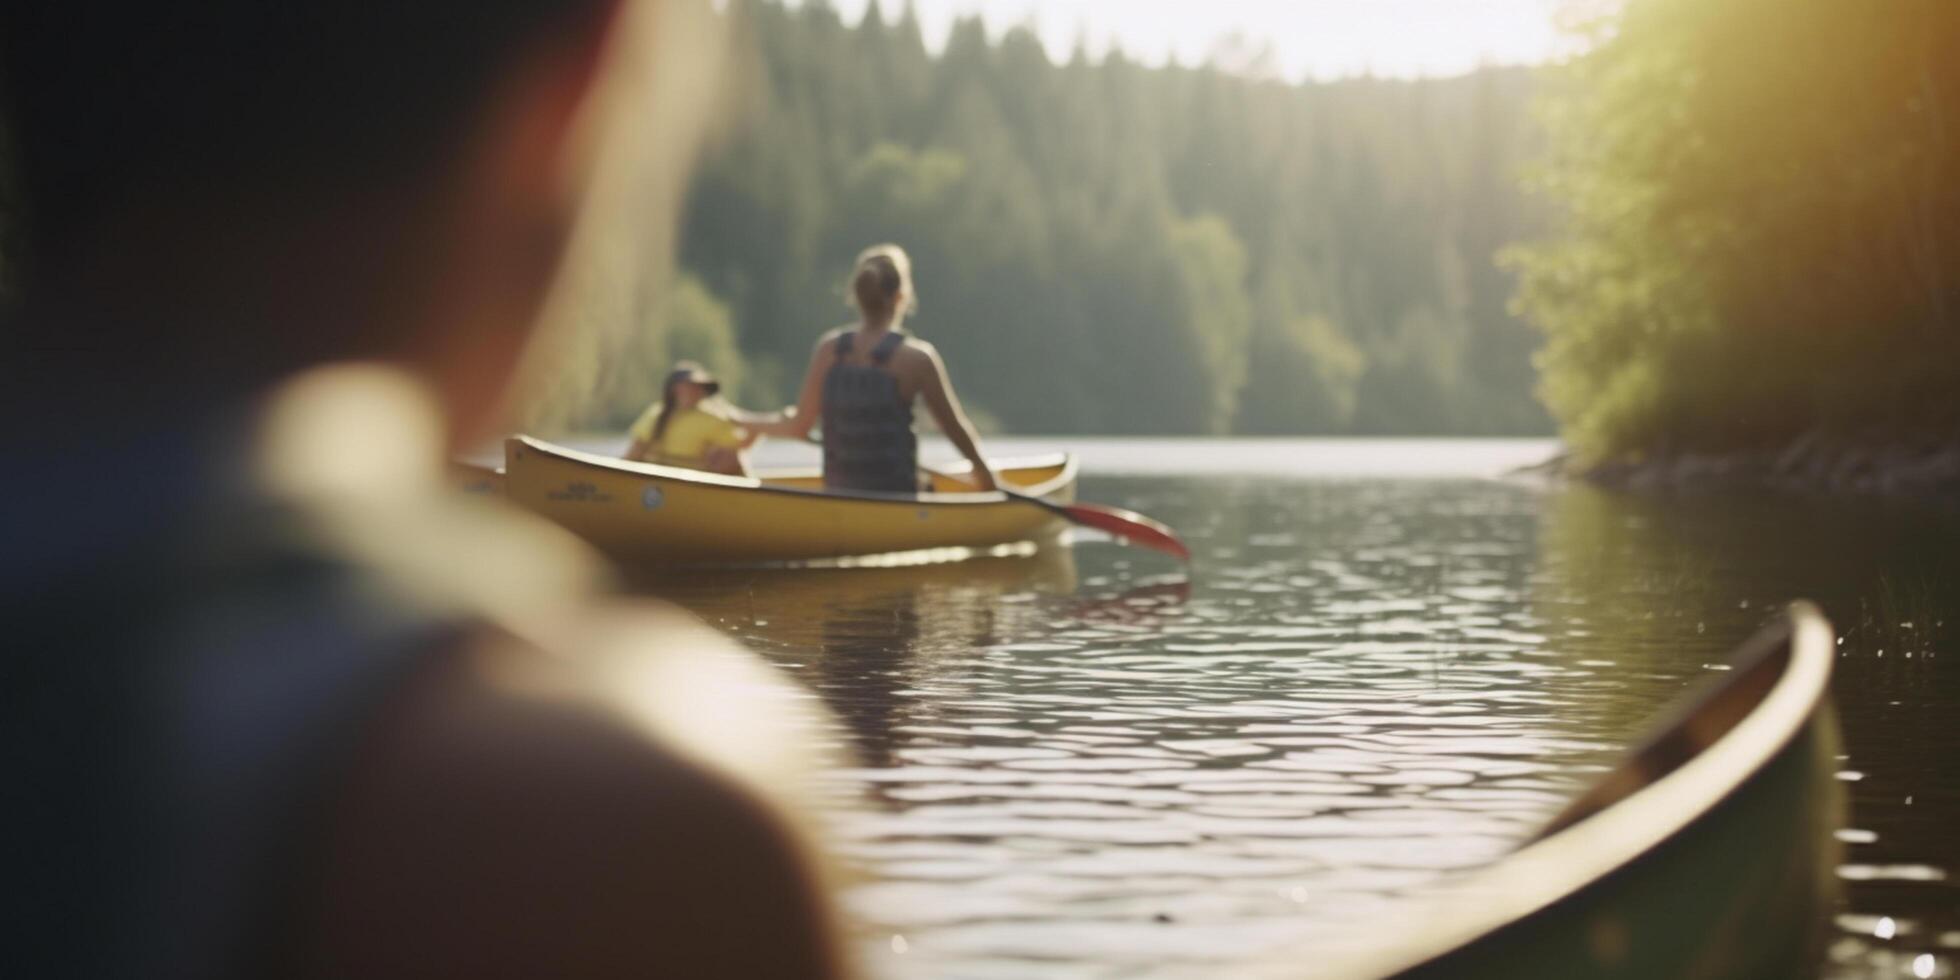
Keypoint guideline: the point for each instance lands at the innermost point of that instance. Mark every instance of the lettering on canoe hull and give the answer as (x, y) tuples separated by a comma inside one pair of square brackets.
[(580, 493)]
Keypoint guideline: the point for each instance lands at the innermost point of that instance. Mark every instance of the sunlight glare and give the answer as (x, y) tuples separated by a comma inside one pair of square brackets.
[(1318, 39)]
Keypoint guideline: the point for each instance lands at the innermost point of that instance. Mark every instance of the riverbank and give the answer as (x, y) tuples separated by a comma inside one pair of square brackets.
[(1809, 465)]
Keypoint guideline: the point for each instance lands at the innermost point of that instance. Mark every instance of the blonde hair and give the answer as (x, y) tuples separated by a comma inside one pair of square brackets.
[(883, 273)]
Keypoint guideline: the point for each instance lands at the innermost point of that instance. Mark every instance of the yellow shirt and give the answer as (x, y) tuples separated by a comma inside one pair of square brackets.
[(689, 436)]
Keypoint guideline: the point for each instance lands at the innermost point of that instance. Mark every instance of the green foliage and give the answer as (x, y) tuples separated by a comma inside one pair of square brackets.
[(1302, 368), (1106, 247), (700, 328), (1762, 212), (691, 323), (1211, 266)]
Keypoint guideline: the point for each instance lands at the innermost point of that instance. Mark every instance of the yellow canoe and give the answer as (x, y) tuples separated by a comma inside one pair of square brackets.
[(1708, 853), (648, 514)]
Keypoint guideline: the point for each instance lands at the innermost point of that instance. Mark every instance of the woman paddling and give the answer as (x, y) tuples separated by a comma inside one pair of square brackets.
[(862, 383)]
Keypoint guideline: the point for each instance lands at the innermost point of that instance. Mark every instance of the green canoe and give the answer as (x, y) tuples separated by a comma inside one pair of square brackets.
[(1709, 852)]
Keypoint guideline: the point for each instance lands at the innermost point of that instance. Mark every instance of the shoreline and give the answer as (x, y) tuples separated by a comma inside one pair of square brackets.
[(1811, 465)]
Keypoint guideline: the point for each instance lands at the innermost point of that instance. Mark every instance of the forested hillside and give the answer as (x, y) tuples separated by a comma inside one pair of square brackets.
[(1763, 239), (1106, 247)]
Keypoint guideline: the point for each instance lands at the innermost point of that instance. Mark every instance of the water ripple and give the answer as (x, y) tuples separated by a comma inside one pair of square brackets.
[(1080, 766)]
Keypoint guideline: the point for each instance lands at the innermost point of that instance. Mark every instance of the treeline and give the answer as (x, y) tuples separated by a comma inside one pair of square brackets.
[(1761, 243), (1105, 247)]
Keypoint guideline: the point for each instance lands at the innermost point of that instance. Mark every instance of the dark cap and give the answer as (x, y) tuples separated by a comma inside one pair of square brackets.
[(691, 371)]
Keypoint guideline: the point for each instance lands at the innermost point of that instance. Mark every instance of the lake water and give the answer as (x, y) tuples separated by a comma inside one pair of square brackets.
[(1385, 663)]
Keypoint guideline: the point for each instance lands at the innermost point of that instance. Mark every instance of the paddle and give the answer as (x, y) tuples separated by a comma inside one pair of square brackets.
[(1124, 525)]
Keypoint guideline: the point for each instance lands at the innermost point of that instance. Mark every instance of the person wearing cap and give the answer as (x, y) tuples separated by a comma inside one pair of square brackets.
[(692, 426)]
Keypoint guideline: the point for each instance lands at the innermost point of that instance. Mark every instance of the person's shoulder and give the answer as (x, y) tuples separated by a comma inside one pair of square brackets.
[(642, 427), (654, 668), (609, 808), (688, 418), (824, 351), (724, 416), (713, 423), (916, 354)]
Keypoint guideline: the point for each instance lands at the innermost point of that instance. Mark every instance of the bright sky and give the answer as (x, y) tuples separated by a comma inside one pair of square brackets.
[(1309, 38)]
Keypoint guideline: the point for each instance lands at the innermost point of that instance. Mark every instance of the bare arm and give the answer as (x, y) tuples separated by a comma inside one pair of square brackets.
[(748, 425), (797, 423), (752, 423), (944, 405), (742, 416)]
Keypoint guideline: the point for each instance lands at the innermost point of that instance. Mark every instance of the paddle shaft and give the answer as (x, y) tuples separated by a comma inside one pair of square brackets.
[(1124, 525)]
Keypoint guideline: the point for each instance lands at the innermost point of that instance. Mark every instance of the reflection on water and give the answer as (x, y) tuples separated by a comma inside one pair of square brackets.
[(1084, 766), (1687, 571), (871, 639)]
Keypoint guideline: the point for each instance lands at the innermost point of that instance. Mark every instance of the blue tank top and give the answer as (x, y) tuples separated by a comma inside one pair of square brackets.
[(193, 664), (178, 712), (868, 442)]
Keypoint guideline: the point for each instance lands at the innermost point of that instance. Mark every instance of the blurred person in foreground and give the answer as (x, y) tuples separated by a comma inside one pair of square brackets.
[(863, 381), (272, 703), (693, 427)]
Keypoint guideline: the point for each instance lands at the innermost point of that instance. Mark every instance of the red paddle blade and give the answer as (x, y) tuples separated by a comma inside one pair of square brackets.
[(1130, 526)]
